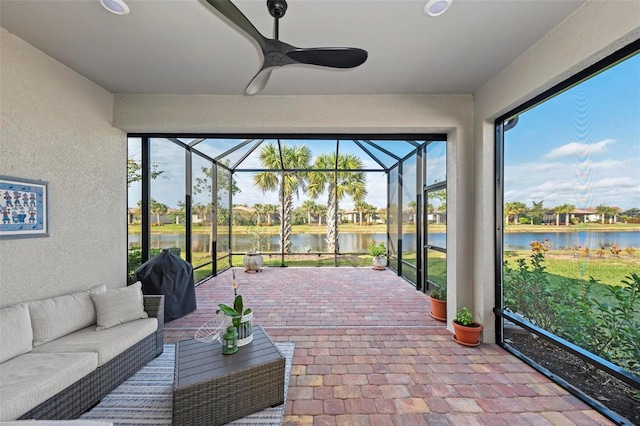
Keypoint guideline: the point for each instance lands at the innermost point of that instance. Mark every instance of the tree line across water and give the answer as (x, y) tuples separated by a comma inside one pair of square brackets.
[(537, 214)]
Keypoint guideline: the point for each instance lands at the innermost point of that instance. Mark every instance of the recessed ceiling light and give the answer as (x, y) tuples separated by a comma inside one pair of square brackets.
[(119, 7), (437, 7)]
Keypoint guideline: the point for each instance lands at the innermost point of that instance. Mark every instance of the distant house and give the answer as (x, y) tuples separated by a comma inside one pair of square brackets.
[(585, 215), (437, 216), (133, 215)]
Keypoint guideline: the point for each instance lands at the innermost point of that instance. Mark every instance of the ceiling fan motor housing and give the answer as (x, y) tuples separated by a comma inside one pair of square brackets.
[(277, 8)]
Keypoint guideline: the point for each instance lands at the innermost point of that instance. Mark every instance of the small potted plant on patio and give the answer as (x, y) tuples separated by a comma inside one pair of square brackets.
[(467, 331), (438, 298), (253, 259), (379, 254), (240, 317)]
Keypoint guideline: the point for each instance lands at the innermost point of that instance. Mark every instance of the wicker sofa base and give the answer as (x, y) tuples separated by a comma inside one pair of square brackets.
[(88, 391)]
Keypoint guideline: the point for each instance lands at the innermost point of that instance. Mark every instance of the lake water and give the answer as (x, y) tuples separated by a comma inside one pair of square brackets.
[(359, 242)]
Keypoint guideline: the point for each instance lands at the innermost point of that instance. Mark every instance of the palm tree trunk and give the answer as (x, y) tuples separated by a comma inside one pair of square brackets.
[(332, 226), (557, 219), (285, 224)]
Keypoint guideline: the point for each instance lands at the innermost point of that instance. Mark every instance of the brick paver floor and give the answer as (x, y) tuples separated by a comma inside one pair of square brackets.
[(368, 353)]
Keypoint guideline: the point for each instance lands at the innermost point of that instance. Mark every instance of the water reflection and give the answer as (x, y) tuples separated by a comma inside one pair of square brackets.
[(359, 242)]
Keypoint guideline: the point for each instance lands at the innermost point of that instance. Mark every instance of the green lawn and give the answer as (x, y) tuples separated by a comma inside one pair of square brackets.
[(562, 264)]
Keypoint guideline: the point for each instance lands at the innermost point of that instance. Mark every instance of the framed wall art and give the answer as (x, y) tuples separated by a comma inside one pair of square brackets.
[(23, 206)]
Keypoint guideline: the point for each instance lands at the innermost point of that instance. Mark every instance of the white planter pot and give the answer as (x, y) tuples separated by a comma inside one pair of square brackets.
[(245, 331), (380, 263), (252, 262)]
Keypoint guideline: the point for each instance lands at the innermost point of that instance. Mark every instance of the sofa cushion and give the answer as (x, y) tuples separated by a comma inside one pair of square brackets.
[(16, 336), (119, 306), (58, 316), (107, 343), (33, 378)]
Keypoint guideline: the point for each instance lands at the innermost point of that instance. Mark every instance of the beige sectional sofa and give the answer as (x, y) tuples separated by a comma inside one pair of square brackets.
[(60, 356)]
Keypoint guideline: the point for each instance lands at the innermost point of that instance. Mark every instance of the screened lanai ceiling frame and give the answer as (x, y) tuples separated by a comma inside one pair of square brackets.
[(373, 149)]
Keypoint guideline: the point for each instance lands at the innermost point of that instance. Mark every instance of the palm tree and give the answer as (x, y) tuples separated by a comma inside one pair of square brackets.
[(563, 209), (382, 214), (601, 210), (320, 211), (200, 210), (612, 212), (308, 206), (269, 210), (337, 184), (360, 207), (158, 209), (369, 211), (536, 212), (514, 208), (287, 183)]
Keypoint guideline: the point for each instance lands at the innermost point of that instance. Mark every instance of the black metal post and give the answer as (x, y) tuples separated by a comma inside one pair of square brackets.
[(146, 197)]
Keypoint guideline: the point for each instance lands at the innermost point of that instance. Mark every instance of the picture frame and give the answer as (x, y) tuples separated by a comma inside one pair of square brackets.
[(24, 211)]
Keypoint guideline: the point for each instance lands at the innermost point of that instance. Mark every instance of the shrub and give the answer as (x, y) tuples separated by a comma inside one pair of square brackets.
[(439, 293), (615, 250), (602, 319), (376, 250), (524, 220), (134, 259)]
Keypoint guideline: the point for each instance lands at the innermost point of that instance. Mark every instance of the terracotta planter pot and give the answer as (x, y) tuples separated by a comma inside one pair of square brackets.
[(438, 309), (466, 335)]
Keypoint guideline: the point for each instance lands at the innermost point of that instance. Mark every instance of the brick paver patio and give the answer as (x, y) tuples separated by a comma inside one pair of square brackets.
[(368, 353)]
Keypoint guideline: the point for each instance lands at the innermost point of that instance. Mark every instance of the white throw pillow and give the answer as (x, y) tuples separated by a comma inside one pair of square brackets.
[(58, 316), (119, 306), (15, 332)]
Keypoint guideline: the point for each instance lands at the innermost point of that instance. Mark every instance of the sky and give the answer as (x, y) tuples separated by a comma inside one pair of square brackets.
[(581, 147)]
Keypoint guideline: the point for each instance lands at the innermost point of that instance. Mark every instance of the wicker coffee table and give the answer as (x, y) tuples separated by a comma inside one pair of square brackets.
[(213, 389)]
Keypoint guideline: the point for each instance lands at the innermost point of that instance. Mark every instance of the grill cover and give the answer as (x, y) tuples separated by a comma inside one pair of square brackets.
[(168, 274)]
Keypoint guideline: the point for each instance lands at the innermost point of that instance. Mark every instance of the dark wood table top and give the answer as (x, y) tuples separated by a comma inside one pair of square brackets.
[(197, 362)]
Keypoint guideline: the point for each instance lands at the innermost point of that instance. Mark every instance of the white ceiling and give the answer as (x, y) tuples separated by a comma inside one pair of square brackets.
[(185, 47)]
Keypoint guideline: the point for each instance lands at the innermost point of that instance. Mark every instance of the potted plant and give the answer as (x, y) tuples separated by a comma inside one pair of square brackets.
[(467, 331), (379, 254), (240, 317), (253, 259), (438, 298)]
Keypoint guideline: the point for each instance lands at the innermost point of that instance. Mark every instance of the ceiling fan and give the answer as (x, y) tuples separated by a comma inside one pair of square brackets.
[(277, 53)]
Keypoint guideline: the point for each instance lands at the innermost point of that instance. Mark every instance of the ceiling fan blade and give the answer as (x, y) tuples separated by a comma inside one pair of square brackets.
[(259, 81), (232, 13), (334, 57)]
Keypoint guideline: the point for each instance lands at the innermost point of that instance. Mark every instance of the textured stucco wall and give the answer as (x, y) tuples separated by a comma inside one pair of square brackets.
[(592, 32), (451, 114), (56, 127)]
